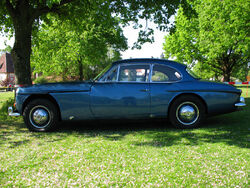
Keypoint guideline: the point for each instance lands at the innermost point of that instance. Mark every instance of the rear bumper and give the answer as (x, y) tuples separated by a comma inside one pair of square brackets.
[(241, 103), (12, 113)]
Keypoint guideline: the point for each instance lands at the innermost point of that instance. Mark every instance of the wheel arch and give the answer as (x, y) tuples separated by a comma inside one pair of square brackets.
[(42, 96), (187, 94)]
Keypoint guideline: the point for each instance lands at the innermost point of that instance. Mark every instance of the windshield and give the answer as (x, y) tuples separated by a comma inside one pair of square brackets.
[(192, 73), (102, 73)]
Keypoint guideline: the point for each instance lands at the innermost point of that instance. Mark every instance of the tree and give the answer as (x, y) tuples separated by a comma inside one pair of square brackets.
[(79, 49), (22, 18), (18, 17), (215, 39)]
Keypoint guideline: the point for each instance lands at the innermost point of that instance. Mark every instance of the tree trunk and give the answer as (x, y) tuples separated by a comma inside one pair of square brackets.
[(226, 68), (22, 48), (21, 54), (227, 75), (80, 68)]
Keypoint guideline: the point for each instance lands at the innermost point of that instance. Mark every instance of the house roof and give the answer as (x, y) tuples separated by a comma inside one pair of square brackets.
[(6, 63)]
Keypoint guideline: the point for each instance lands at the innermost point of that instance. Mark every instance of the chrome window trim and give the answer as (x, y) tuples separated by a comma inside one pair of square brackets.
[(115, 82), (151, 67), (105, 74), (151, 72), (126, 82), (169, 81), (118, 72), (98, 78)]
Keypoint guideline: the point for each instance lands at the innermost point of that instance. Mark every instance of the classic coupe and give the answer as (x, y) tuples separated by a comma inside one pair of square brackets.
[(127, 89)]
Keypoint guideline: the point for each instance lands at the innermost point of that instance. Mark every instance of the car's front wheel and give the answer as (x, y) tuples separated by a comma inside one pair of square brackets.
[(187, 112), (40, 115)]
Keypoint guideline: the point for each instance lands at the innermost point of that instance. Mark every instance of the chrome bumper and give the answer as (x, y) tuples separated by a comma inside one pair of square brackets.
[(11, 113), (241, 103)]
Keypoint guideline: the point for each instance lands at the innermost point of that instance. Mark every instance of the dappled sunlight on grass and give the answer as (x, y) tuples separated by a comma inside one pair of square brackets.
[(230, 129), (127, 154), (145, 153)]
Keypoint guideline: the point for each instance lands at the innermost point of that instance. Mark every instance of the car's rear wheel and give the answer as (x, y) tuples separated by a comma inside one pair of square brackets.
[(40, 115), (187, 112)]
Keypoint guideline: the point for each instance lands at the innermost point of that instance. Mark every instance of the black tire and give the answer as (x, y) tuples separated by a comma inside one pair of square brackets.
[(40, 115), (187, 112)]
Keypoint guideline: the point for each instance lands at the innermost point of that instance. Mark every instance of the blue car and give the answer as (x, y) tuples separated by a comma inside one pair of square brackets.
[(128, 89)]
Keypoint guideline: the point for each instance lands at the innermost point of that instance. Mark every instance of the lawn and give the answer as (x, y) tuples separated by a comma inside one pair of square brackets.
[(127, 153), (4, 96)]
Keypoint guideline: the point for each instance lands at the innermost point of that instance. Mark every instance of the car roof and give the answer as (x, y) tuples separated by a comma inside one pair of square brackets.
[(152, 60)]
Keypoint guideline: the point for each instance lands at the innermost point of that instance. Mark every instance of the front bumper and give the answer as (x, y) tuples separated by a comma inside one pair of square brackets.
[(241, 103), (12, 113)]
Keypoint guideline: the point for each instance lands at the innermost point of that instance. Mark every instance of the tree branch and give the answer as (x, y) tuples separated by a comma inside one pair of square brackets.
[(214, 66), (45, 9), (10, 8)]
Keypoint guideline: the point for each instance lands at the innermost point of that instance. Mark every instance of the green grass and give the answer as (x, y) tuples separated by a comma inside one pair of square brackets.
[(4, 96), (127, 153)]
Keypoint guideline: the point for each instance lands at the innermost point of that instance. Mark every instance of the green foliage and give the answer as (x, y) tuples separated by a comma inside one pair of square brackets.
[(4, 107), (159, 77), (6, 100), (7, 49), (76, 47), (40, 80), (216, 38), (203, 70), (25, 18)]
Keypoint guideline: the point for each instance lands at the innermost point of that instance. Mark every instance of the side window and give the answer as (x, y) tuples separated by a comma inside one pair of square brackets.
[(162, 73), (134, 73), (110, 76)]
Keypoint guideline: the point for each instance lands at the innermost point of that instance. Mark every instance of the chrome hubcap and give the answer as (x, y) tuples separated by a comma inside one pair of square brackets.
[(39, 116), (187, 113)]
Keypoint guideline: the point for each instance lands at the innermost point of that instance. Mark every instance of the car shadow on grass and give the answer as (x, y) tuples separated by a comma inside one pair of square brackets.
[(231, 129), (13, 133), (159, 133)]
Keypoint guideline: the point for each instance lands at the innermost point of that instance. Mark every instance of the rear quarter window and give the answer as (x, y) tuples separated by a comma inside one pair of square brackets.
[(163, 73)]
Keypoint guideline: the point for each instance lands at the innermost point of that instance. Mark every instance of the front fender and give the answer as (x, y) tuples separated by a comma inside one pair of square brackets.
[(20, 101)]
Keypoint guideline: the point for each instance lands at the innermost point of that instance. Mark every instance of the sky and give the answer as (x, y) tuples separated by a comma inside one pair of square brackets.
[(148, 50), (2, 41)]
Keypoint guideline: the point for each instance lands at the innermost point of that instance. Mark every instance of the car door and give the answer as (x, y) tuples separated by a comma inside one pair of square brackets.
[(163, 86), (122, 93)]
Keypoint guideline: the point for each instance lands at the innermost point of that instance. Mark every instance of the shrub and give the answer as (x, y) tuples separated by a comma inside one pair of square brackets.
[(5, 82), (40, 80), (4, 108)]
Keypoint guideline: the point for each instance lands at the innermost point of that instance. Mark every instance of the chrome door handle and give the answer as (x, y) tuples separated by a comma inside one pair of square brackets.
[(144, 90)]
